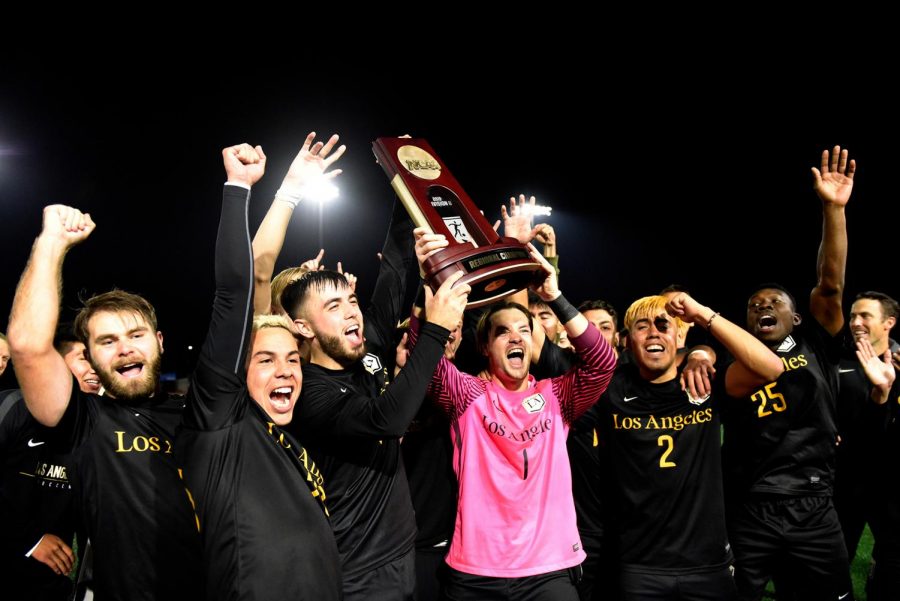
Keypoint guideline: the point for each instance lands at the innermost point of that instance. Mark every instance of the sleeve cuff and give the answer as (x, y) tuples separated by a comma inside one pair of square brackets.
[(37, 544)]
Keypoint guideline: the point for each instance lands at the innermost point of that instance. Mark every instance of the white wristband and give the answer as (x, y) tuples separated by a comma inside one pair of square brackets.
[(291, 197), (700, 350)]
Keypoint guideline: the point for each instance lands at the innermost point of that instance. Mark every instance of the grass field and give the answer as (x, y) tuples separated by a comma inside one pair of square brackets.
[(859, 571)]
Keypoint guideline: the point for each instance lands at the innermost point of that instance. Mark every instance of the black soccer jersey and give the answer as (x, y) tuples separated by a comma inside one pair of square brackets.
[(781, 439), (590, 473), (665, 455), (883, 427), (132, 500), (351, 421), (35, 499), (260, 498), (591, 480), (854, 455), (428, 460), (353, 431)]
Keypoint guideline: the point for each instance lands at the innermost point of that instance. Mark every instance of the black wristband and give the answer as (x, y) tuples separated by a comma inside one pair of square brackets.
[(563, 309)]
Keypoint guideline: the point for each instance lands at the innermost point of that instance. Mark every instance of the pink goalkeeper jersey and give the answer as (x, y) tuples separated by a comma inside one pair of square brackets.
[(515, 514)]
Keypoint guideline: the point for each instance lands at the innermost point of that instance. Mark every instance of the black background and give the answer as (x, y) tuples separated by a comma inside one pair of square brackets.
[(656, 173)]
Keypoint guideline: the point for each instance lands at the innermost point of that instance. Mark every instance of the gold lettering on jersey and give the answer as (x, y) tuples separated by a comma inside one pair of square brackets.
[(313, 476), (626, 423), (191, 499), (663, 422), (140, 444), (794, 362), (770, 401)]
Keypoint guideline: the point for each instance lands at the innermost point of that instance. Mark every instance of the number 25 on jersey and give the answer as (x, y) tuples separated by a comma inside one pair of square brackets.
[(766, 395)]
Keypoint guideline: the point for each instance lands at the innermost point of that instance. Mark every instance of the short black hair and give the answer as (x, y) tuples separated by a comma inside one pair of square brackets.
[(535, 301), (64, 337), (600, 305), (674, 288), (775, 286), (889, 307), (295, 293)]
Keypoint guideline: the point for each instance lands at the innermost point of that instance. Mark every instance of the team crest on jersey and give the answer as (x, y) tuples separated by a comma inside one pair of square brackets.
[(534, 404), (371, 363), (786, 345)]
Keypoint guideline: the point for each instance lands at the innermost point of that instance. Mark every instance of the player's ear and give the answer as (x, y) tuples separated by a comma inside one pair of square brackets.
[(303, 327)]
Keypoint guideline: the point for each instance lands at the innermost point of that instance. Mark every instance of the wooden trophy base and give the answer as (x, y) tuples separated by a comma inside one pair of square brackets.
[(494, 271)]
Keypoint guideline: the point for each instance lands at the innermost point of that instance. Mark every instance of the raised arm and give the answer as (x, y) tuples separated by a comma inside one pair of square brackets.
[(581, 386), (42, 373), (754, 363), (574, 322), (833, 184), (448, 387), (308, 168), (232, 313), (545, 234), (395, 285)]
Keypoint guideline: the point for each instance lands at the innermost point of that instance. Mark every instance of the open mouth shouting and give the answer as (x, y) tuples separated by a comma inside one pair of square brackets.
[(281, 399), (516, 357), (766, 323), (354, 336), (130, 370)]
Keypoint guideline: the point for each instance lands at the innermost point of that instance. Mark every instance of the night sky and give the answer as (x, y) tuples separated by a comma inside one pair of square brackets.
[(702, 180)]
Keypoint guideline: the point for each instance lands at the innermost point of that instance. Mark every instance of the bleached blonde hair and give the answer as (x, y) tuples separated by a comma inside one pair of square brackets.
[(648, 307)]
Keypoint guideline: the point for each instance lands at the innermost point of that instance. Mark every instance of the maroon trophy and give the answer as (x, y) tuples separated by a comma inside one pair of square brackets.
[(494, 266)]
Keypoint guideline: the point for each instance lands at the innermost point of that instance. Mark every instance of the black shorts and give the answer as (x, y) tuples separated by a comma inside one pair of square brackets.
[(801, 532), (714, 585), (552, 586)]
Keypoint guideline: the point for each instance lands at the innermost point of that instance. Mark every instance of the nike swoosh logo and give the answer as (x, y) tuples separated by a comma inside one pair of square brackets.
[(626, 399), (846, 371), (343, 390), (842, 596), (31, 443)]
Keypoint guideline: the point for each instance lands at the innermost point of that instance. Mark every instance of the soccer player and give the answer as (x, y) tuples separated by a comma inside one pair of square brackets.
[(665, 455), (516, 535), (872, 316), (126, 482), (260, 498), (779, 450), (351, 416)]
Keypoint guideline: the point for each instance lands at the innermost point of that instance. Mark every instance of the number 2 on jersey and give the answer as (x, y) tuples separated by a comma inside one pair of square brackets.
[(767, 394), (666, 441)]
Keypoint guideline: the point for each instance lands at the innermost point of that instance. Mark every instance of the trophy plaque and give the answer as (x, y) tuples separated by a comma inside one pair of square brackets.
[(494, 266)]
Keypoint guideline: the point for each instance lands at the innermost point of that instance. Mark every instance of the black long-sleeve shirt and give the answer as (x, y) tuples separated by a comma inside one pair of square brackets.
[(351, 420), (258, 495)]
